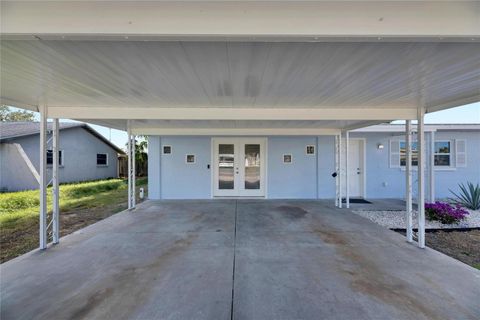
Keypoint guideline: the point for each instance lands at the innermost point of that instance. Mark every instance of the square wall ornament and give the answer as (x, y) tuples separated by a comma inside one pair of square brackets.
[(287, 158), (310, 150), (167, 149), (190, 158)]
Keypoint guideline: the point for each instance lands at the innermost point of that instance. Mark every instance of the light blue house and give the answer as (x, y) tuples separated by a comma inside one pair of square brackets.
[(301, 167), (84, 154)]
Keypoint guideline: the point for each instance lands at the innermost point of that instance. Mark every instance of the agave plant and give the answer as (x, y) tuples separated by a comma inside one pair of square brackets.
[(469, 196)]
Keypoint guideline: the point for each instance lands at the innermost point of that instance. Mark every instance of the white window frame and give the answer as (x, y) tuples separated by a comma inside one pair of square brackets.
[(291, 158), (450, 154), (310, 146), (96, 160), (62, 158), (194, 158), (163, 149), (400, 154), (452, 166)]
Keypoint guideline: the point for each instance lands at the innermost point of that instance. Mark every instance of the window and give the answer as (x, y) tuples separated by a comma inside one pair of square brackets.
[(310, 149), (167, 149), (190, 158), (102, 159), (442, 153), (287, 158), (50, 157), (403, 153)]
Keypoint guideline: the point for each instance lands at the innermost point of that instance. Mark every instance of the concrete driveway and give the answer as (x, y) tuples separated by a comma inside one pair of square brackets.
[(246, 259)]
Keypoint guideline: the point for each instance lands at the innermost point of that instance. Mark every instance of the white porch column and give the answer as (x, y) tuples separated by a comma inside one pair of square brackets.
[(431, 168), (55, 181), (337, 177), (129, 169), (347, 186), (340, 191), (408, 176), (134, 194), (43, 177), (421, 177)]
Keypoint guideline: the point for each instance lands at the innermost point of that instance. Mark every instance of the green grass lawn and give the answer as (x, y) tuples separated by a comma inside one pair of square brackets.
[(80, 204)]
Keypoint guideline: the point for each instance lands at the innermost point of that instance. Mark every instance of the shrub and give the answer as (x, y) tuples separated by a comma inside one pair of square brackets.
[(444, 212), (469, 196)]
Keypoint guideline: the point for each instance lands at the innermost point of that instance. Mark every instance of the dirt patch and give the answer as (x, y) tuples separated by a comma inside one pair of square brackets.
[(24, 238), (292, 212), (460, 245), (330, 237)]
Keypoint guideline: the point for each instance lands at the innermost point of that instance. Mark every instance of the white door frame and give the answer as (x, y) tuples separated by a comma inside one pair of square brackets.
[(364, 164), (239, 143)]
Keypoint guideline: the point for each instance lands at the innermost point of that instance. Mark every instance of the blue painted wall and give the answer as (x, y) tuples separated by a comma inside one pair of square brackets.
[(80, 149), (297, 179), (309, 176), (386, 182), (181, 180)]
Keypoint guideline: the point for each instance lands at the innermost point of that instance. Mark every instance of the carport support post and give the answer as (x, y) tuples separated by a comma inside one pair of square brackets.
[(408, 175), (347, 187), (340, 170), (129, 169), (43, 176), (421, 177), (55, 178), (134, 196), (131, 166), (336, 170), (431, 168)]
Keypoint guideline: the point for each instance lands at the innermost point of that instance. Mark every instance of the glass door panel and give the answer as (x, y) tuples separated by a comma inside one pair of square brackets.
[(252, 166), (226, 164)]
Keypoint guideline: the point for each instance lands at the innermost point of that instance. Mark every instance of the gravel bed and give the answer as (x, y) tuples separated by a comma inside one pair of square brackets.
[(396, 220)]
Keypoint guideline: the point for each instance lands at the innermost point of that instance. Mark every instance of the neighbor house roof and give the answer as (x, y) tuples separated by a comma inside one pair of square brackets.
[(11, 130)]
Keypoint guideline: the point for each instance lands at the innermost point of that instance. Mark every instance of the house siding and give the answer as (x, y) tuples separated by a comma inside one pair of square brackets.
[(308, 176), (79, 151)]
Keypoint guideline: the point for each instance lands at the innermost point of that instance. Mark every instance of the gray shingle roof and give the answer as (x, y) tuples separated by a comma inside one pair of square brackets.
[(19, 129), (11, 130)]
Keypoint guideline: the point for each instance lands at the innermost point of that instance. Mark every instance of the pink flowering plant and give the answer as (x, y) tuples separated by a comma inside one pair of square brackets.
[(445, 212)]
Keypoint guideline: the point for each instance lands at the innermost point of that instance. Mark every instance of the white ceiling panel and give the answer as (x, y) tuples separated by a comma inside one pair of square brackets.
[(239, 74)]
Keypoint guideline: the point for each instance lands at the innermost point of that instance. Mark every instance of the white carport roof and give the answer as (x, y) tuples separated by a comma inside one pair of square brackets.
[(275, 67)]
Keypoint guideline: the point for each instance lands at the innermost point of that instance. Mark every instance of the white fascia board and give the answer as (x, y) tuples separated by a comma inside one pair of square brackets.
[(246, 20), (428, 127), (235, 131), (228, 113)]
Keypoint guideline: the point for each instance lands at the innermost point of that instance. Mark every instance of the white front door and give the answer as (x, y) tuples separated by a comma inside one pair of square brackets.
[(356, 174), (239, 167)]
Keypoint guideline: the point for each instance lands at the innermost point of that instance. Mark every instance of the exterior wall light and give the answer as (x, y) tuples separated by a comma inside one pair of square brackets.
[(380, 146)]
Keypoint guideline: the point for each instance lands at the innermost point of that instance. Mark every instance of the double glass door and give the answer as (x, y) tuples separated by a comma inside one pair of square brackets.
[(239, 167)]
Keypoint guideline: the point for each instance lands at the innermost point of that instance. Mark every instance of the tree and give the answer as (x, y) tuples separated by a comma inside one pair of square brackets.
[(7, 114), (141, 156)]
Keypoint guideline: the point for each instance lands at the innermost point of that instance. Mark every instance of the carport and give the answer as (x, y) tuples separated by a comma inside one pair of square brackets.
[(237, 259), (239, 69)]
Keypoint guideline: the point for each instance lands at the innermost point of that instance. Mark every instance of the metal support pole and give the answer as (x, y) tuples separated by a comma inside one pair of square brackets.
[(347, 171), (129, 155), (431, 168), (336, 170), (55, 180), (408, 175), (340, 187), (133, 173), (43, 177), (421, 177)]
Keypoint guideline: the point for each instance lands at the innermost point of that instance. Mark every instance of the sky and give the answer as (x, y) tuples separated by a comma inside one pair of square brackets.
[(465, 114)]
